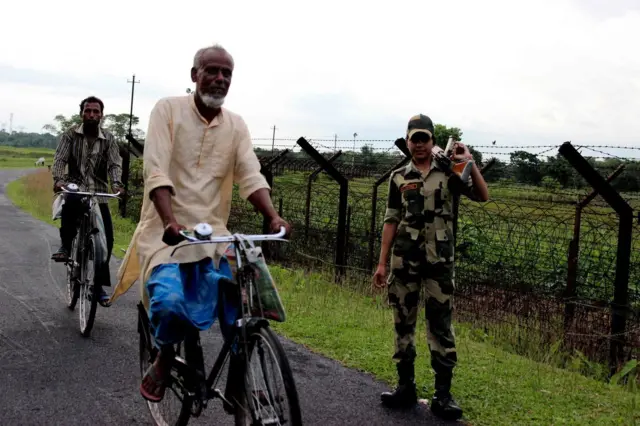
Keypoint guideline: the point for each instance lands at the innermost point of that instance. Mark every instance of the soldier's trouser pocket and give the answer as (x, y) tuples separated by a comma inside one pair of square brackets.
[(444, 245)]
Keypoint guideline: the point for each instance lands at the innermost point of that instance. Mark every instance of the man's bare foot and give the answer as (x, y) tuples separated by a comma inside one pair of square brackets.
[(154, 381)]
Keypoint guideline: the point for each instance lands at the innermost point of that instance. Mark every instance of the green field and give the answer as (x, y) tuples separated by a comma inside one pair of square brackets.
[(517, 243), (495, 387), (21, 158), (525, 230)]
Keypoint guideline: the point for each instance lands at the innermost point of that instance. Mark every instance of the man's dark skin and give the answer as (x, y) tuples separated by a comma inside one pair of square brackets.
[(213, 76)]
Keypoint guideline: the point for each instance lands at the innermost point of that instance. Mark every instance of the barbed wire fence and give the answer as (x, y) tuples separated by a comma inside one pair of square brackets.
[(540, 256)]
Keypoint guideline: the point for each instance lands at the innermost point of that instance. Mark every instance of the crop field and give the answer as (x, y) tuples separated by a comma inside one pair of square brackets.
[(11, 157)]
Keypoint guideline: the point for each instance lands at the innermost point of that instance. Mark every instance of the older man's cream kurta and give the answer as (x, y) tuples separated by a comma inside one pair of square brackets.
[(200, 162)]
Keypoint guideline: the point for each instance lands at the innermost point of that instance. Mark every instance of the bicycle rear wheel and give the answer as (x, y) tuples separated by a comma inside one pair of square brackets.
[(88, 295), (269, 389), (73, 290)]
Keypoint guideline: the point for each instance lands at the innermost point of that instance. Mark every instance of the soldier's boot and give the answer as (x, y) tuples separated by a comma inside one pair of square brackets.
[(443, 404), (404, 396)]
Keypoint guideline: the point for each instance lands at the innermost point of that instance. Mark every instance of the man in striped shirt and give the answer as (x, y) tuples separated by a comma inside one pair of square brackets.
[(91, 156)]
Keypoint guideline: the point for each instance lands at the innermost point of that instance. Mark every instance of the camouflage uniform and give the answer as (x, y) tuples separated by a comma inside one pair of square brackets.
[(422, 253)]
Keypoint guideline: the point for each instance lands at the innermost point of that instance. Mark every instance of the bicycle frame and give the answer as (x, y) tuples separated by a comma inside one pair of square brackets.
[(91, 219), (199, 389)]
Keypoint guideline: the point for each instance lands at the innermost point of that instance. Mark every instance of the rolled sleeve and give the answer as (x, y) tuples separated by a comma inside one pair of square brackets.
[(246, 172), (394, 203), (61, 158), (157, 149)]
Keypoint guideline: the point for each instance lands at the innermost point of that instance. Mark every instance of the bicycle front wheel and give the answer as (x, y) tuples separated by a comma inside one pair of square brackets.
[(269, 396), (88, 295)]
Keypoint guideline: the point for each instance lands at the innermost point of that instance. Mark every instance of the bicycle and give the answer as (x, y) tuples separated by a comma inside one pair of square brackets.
[(249, 331), (88, 246)]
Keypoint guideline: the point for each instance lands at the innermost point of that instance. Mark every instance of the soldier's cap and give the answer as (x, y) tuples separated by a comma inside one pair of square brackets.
[(419, 123)]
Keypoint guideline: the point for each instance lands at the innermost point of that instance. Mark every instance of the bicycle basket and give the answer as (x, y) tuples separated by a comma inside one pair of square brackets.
[(266, 299)]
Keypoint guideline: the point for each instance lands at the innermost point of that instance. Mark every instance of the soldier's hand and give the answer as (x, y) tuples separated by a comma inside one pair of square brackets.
[(461, 152), (379, 278)]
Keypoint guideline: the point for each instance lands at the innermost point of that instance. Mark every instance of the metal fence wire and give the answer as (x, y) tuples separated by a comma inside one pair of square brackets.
[(541, 255)]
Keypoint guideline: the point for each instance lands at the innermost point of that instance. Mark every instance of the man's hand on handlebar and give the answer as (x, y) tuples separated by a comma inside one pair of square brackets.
[(171, 236), (119, 190), (58, 187), (278, 222)]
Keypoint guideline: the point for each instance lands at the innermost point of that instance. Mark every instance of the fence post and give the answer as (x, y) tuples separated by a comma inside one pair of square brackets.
[(266, 170), (312, 177), (348, 236), (619, 306), (126, 162), (374, 208), (136, 148), (342, 206), (574, 253)]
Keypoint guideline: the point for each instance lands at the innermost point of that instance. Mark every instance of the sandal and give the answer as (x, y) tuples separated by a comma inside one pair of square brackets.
[(160, 385), (103, 298), (62, 255)]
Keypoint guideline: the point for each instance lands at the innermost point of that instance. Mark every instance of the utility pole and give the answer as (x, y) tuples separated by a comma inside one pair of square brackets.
[(273, 140), (126, 154), (133, 86), (335, 142), (355, 135), (11, 123)]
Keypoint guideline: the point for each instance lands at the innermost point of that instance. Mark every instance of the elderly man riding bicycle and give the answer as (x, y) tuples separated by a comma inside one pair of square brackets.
[(194, 153)]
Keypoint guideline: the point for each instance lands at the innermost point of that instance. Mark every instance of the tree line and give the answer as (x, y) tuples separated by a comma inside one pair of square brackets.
[(523, 167)]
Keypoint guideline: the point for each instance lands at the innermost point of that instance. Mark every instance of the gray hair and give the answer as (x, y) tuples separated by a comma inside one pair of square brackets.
[(198, 56)]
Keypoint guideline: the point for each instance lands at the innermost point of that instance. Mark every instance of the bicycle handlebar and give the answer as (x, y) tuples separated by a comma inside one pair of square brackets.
[(91, 194), (202, 234), (203, 231)]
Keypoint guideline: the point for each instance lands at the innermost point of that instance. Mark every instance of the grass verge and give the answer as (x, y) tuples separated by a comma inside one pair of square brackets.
[(493, 386), (34, 194)]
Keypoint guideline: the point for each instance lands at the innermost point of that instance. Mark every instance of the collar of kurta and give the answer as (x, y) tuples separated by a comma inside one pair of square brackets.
[(80, 130), (217, 120)]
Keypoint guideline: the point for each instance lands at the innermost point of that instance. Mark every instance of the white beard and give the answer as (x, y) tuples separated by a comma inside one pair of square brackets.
[(212, 101)]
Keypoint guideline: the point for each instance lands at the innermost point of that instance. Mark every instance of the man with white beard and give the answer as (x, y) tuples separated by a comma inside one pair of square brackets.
[(194, 153)]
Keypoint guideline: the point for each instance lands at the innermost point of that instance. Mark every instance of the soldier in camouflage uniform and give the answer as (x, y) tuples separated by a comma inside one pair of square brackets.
[(419, 224)]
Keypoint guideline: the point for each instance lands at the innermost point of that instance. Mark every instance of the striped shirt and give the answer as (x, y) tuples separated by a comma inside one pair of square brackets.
[(88, 164)]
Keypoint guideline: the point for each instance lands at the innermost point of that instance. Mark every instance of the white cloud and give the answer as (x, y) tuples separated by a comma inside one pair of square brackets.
[(520, 72)]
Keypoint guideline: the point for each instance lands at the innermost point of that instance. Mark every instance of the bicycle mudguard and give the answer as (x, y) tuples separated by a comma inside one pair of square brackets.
[(100, 237)]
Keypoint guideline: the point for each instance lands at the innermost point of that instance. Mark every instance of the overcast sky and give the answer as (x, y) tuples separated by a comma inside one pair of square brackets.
[(519, 72)]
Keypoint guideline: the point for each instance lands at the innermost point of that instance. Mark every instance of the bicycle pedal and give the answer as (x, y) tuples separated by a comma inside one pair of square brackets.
[(228, 406)]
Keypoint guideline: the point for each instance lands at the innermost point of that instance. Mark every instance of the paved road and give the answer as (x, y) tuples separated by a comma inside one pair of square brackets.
[(50, 375)]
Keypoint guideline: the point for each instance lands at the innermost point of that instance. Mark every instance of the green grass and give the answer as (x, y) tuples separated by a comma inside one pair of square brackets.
[(494, 387), (22, 158)]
